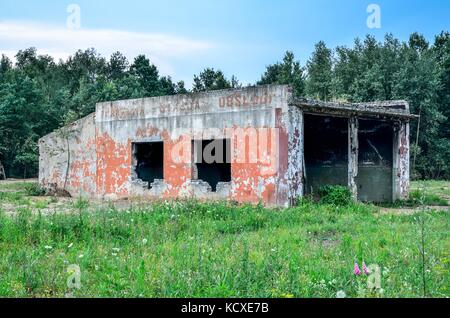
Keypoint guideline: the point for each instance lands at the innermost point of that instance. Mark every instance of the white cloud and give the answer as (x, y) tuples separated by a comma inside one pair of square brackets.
[(61, 42)]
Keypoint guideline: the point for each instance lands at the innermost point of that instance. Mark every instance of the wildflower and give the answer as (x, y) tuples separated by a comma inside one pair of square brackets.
[(48, 247), (80, 256), (70, 245), (341, 294), (356, 269), (365, 269), (144, 241)]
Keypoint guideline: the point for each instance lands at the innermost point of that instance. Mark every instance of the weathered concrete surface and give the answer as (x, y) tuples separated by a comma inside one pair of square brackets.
[(353, 150), (94, 156), (67, 159), (401, 158), (296, 165)]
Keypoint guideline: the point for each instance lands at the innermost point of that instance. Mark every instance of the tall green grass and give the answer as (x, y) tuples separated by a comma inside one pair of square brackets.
[(191, 249)]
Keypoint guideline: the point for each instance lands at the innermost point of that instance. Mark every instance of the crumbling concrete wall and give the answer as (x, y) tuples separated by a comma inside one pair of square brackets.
[(401, 161), (254, 119), (67, 159), (296, 169), (353, 151)]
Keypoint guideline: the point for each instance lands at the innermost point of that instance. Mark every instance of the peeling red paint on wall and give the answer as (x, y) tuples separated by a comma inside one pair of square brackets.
[(113, 165), (176, 171)]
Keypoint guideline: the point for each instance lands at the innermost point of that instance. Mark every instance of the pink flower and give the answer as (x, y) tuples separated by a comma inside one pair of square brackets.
[(356, 269), (365, 269)]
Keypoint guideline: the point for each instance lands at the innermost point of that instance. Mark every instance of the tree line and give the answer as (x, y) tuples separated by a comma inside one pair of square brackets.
[(39, 94)]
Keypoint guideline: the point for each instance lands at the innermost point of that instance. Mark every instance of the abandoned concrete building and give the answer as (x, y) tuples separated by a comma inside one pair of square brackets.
[(255, 144)]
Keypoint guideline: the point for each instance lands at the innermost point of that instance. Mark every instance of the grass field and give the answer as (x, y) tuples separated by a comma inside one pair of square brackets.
[(189, 249)]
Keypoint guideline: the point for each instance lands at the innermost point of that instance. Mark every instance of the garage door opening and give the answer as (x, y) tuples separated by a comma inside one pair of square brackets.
[(326, 152), (375, 161), (149, 160), (212, 161)]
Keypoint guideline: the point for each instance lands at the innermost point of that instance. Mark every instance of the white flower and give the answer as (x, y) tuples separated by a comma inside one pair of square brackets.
[(144, 241), (70, 245), (48, 247), (341, 294), (80, 256)]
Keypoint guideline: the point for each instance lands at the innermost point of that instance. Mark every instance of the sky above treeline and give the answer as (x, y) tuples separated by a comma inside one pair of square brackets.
[(240, 37)]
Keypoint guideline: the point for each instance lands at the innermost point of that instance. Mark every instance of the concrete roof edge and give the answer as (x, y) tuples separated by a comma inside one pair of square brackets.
[(66, 126), (392, 108)]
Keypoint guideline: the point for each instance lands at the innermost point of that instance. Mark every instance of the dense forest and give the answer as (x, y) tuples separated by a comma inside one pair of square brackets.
[(39, 95)]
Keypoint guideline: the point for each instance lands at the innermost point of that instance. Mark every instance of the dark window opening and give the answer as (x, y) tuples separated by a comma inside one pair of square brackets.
[(212, 161), (326, 152), (149, 161)]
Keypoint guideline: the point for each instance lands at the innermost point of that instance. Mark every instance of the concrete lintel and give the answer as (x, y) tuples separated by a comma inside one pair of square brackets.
[(380, 110)]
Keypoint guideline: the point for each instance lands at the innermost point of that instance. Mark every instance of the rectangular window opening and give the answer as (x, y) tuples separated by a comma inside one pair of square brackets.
[(149, 161), (212, 161)]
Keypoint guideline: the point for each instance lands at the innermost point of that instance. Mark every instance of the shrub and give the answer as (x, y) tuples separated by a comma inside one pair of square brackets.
[(34, 190), (335, 194)]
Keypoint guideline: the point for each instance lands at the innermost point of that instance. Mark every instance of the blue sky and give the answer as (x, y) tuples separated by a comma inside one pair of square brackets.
[(184, 37)]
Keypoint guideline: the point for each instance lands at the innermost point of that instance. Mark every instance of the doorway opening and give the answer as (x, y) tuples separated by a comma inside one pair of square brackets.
[(326, 152)]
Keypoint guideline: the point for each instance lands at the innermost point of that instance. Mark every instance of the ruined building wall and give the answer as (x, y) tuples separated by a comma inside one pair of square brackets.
[(249, 117), (279, 148), (67, 159)]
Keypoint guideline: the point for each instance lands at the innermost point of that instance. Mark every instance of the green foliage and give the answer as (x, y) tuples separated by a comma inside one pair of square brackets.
[(33, 189), (209, 80), (335, 194), (320, 73), (38, 96), (289, 72)]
